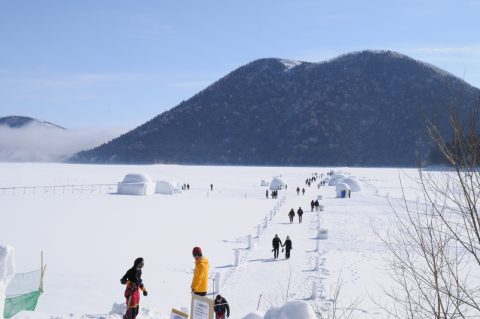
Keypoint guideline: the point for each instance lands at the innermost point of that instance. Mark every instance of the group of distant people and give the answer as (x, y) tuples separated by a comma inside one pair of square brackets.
[(322, 183), (310, 180), (314, 204), (298, 191), (291, 215), (186, 187), (344, 193), (274, 194), (134, 285), (277, 243)]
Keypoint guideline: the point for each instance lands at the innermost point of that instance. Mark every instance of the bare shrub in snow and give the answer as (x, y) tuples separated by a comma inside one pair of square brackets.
[(435, 242), (336, 307)]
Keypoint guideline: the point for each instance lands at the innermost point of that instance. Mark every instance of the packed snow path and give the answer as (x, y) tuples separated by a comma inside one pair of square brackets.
[(351, 255), (90, 239), (278, 279)]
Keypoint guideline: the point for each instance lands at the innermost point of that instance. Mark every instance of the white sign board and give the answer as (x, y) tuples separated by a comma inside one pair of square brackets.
[(202, 307)]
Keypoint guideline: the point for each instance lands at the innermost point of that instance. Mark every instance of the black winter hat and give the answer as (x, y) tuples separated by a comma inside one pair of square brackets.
[(137, 261)]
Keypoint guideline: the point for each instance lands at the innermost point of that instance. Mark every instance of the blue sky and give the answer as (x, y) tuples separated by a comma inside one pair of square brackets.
[(117, 64)]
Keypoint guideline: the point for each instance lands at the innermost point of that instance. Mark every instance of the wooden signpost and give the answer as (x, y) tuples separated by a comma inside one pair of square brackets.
[(177, 314)]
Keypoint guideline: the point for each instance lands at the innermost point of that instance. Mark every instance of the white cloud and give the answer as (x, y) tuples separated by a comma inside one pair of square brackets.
[(38, 143)]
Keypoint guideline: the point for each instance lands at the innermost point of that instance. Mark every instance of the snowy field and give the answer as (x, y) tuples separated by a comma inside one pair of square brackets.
[(91, 238)]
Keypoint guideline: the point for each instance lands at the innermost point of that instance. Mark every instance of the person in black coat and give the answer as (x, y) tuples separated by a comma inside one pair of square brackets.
[(312, 205), (276, 243), (300, 214), (221, 307), (288, 247), (291, 214), (133, 280), (317, 205)]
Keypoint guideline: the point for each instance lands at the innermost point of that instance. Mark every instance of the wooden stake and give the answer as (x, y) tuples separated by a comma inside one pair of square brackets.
[(259, 298), (42, 272)]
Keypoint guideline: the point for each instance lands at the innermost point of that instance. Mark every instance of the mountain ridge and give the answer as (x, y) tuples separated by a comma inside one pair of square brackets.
[(362, 108), (17, 121)]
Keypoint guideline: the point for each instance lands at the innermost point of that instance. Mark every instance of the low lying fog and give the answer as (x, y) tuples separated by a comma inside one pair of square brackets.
[(38, 143)]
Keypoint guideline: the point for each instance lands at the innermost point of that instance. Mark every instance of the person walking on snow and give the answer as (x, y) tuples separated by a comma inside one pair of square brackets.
[(317, 205), (312, 204), (300, 214), (276, 243), (133, 280), (266, 193), (298, 190), (288, 247), (221, 307), (303, 191), (291, 214), (200, 275)]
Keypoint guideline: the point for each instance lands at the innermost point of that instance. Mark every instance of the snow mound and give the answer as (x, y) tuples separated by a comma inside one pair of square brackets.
[(277, 183), (7, 271), (254, 315), (264, 183), (292, 310), (118, 310), (168, 188), (336, 179), (353, 183), (136, 184), (137, 178), (342, 187)]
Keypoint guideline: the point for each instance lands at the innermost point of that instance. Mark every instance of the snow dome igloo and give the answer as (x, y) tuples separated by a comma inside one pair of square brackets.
[(277, 183), (336, 179), (136, 184), (342, 187), (168, 188), (355, 185)]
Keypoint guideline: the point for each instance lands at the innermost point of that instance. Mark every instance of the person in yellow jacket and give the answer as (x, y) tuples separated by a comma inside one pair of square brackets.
[(200, 276)]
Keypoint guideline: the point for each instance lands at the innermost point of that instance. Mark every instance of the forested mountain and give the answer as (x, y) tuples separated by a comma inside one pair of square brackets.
[(365, 108)]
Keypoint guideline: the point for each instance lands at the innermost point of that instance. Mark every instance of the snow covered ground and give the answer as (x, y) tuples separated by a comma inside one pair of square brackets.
[(91, 238)]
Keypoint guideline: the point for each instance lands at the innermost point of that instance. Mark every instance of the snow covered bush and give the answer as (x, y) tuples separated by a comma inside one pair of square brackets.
[(291, 310)]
